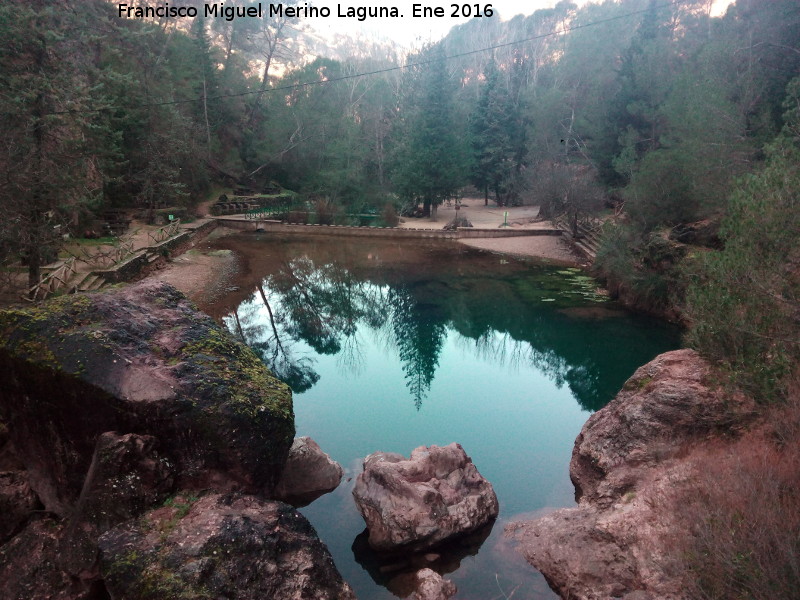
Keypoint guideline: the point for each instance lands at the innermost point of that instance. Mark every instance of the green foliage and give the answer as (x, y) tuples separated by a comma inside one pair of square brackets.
[(661, 191), (641, 270), (744, 301), (498, 139), (430, 156), (44, 75)]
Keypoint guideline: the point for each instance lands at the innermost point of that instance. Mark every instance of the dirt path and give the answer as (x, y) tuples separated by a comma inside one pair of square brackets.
[(481, 216)]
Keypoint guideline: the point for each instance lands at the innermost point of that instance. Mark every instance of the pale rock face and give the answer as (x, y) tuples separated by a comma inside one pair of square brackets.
[(309, 473), (416, 503), (627, 461)]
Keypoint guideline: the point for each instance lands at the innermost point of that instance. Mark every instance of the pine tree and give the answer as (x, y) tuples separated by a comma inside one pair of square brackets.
[(495, 153), (430, 164), (47, 169)]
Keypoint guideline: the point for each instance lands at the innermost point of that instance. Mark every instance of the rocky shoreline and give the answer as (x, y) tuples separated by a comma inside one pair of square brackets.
[(629, 462), (141, 448), (146, 454)]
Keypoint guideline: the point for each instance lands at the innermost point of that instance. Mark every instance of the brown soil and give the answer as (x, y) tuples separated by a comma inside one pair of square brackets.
[(203, 274)]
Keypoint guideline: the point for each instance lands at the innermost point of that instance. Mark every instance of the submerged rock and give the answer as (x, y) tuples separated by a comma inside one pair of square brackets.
[(628, 459), (417, 503), (309, 473), (220, 546), (431, 586), (397, 572)]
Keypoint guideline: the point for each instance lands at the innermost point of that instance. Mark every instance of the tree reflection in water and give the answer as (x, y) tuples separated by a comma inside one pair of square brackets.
[(328, 305), (419, 332)]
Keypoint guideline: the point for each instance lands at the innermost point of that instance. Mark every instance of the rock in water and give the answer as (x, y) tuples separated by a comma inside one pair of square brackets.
[(309, 473), (416, 503), (220, 546)]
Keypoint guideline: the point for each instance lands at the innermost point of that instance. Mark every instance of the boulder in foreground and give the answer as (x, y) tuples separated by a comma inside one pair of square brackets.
[(220, 546), (416, 503), (139, 360), (628, 461), (132, 424)]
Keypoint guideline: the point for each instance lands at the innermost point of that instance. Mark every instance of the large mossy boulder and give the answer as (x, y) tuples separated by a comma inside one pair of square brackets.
[(139, 360), (110, 405)]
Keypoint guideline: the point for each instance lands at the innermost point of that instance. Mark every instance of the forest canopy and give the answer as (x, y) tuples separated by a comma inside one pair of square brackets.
[(657, 109)]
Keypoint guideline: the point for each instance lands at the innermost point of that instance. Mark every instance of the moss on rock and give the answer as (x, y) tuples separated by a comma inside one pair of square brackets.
[(141, 359)]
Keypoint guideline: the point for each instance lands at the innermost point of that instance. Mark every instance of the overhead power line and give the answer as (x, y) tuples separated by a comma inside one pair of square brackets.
[(296, 86)]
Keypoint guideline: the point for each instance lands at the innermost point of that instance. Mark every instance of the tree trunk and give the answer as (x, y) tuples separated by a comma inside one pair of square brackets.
[(205, 114), (261, 90), (497, 197), (34, 265), (434, 210), (486, 195), (34, 244)]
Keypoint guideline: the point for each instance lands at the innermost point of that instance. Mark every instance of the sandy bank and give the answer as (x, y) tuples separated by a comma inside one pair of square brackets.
[(518, 217), (203, 274), (536, 246)]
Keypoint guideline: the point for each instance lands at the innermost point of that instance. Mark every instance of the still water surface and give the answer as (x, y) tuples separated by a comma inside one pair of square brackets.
[(389, 346)]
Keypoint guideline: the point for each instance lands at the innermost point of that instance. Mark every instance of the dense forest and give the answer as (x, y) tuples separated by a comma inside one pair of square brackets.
[(676, 130)]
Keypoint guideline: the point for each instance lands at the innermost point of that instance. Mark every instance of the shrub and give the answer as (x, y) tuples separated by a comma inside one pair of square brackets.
[(742, 514), (325, 211), (389, 215), (744, 301), (297, 216), (640, 270)]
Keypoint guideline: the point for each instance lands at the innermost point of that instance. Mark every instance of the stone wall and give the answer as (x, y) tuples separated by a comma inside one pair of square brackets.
[(384, 232), (136, 265)]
